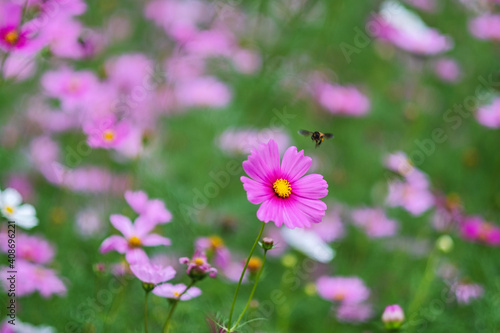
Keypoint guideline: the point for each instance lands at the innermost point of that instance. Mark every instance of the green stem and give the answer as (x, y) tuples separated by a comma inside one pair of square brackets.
[(146, 312), (172, 309), (242, 274), (252, 293)]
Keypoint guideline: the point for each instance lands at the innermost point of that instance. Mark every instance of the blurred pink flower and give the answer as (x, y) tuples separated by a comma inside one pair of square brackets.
[(246, 61), (399, 163), (486, 26), (393, 317), (346, 100), (152, 209), (448, 70), (151, 273), (346, 290), (89, 222), (135, 236), (31, 278), (467, 292), (285, 194), (13, 36), (89, 180), (19, 67), (173, 291), (448, 213), (331, 227), (44, 151), (106, 132), (129, 71), (415, 197), (62, 37), (65, 8), (34, 249), (489, 115), (22, 184), (242, 141), (475, 229), (374, 222), (216, 250), (198, 266), (211, 43), (203, 92), (354, 312)]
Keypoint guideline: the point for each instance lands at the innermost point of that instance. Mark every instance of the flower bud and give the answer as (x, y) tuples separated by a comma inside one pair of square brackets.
[(393, 317), (445, 243), (267, 243), (148, 286)]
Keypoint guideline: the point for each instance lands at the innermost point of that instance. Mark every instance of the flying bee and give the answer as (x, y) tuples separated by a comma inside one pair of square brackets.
[(316, 136)]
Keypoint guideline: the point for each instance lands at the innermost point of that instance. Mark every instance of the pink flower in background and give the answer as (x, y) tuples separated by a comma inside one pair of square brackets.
[(407, 31), (173, 291), (62, 37), (72, 88), (22, 184), (65, 8), (30, 248), (135, 236), (331, 227), (211, 43), (246, 61), (32, 277), (489, 115), (449, 212), (374, 222), (198, 266), (152, 209), (215, 248), (448, 70), (486, 26), (151, 273), (346, 290), (475, 229), (203, 92), (106, 132), (399, 163), (354, 312), (242, 141), (129, 71), (415, 197), (285, 194), (467, 292), (180, 67), (89, 222), (19, 67), (346, 100)]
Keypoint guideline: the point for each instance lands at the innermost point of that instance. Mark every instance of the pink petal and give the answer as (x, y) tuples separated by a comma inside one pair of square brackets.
[(310, 187), (122, 224), (271, 210), (256, 192), (143, 226), (155, 240), (137, 200), (263, 164), (294, 164), (136, 256), (191, 293), (116, 243), (292, 216), (313, 209)]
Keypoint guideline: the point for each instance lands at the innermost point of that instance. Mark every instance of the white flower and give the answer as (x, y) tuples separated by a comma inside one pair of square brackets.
[(22, 215)]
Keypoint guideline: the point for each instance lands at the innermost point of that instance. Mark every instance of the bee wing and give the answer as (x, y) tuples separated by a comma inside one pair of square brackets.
[(304, 132), (328, 135)]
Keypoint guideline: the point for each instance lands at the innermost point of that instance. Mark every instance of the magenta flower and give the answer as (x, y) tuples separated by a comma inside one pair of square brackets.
[(448, 70), (30, 248), (393, 317), (486, 26), (151, 273), (198, 267), (342, 100), (173, 291), (475, 229), (341, 289), (152, 209), (467, 292), (489, 115), (13, 37), (354, 312), (285, 194), (374, 222), (135, 237), (106, 133), (214, 246)]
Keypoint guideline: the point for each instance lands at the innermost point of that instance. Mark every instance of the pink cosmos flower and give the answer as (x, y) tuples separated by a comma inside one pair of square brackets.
[(342, 100), (241, 141), (135, 237), (151, 273), (467, 292), (106, 133), (62, 37), (486, 26), (32, 277), (215, 248), (19, 67), (13, 36), (475, 229), (374, 222), (285, 194), (348, 290), (415, 197), (198, 266), (448, 70), (246, 61), (30, 248), (129, 71), (489, 115), (354, 312), (399, 163), (173, 291), (448, 213), (203, 92), (89, 222), (393, 316), (152, 209)]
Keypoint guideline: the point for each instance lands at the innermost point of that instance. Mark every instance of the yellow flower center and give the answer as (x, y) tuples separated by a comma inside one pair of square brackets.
[(108, 135), (254, 264), (176, 294), (74, 85), (9, 209), (216, 242), (11, 37), (134, 241), (282, 188), (199, 261), (339, 297)]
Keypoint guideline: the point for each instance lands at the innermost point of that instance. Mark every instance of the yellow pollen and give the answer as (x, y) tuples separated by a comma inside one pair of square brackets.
[(199, 261), (254, 264), (282, 188), (108, 135), (9, 209), (216, 242), (176, 294), (11, 37), (134, 241), (339, 297)]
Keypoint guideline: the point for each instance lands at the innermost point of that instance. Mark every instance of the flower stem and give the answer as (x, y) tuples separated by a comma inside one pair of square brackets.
[(174, 305), (253, 292), (146, 312), (242, 274)]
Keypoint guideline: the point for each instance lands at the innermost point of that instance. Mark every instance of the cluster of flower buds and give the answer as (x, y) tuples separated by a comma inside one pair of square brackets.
[(198, 267)]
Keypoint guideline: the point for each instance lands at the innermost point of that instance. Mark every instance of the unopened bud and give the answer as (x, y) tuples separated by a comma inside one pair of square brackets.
[(393, 317), (148, 286), (267, 243), (445, 243)]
